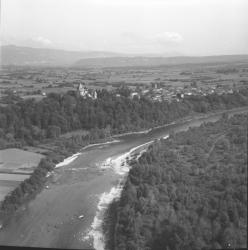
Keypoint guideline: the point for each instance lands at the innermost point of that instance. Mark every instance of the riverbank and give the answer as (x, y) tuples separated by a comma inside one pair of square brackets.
[(183, 119), (120, 165)]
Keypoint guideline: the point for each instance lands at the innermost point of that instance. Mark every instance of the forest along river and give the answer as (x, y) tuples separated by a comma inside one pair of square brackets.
[(69, 211)]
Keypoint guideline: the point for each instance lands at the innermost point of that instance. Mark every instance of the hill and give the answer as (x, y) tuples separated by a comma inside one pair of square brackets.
[(16, 55), (137, 61)]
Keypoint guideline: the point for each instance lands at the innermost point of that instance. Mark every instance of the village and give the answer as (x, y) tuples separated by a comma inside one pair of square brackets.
[(155, 83), (170, 93)]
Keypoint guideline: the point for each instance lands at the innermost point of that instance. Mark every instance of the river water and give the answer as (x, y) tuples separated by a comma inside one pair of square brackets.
[(69, 211)]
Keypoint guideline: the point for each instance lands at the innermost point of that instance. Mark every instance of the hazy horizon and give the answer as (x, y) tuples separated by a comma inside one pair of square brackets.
[(165, 27)]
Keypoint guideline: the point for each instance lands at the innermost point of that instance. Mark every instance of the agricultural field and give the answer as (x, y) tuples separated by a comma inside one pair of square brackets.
[(9, 182), (15, 166), (36, 82)]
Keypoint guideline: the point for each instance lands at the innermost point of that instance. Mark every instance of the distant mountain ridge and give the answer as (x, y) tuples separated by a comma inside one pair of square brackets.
[(16, 55), (157, 61)]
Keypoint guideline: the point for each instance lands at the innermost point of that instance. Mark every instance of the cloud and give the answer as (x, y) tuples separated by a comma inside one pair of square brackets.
[(163, 41), (168, 38), (35, 42), (160, 38), (42, 41)]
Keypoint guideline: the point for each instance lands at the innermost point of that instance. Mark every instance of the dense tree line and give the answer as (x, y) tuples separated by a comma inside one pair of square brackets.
[(30, 122), (186, 192)]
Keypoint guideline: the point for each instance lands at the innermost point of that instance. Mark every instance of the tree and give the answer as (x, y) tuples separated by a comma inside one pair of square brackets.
[(53, 131)]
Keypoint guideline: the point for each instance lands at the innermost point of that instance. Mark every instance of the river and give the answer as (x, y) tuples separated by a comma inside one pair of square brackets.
[(69, 211)]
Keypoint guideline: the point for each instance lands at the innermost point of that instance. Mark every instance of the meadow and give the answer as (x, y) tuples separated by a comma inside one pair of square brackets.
[(16, 165)]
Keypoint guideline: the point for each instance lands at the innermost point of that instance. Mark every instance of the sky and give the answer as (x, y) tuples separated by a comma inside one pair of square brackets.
[(166, 27)]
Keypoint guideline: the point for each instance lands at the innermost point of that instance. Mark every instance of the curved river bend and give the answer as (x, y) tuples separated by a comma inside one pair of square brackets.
[(68, 213)]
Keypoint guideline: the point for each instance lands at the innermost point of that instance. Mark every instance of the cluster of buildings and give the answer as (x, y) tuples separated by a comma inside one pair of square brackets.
[(176, 93), (85, 92)]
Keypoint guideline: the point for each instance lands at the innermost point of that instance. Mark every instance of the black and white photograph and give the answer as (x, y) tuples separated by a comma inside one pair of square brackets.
[(123, 124)]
